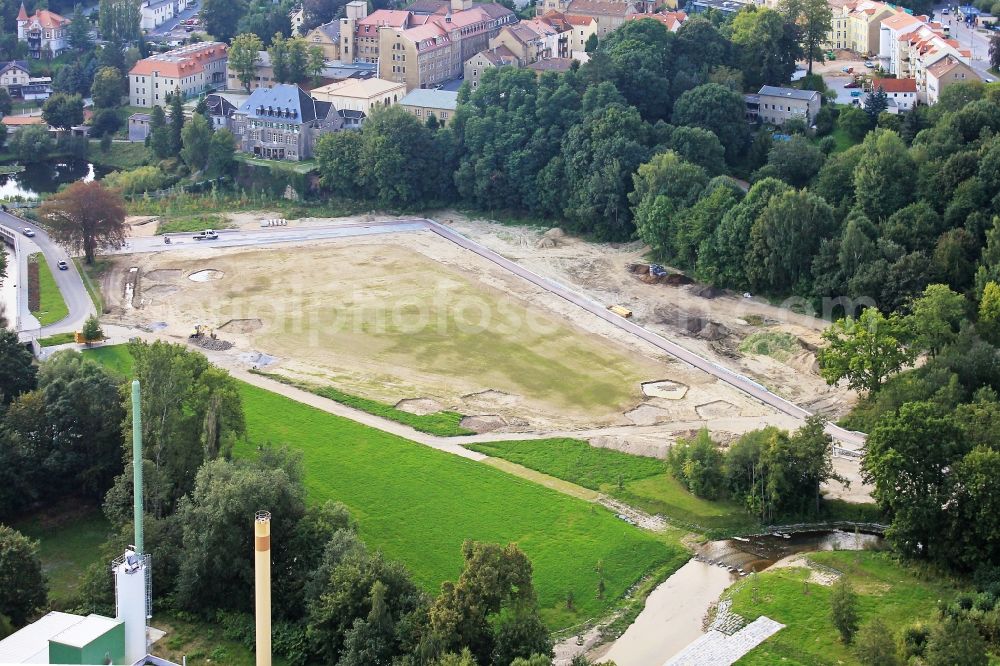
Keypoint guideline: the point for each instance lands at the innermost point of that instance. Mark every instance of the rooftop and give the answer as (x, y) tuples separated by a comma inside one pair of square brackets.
[(284, 101), (183, 61), (895, 85), (435, 99), (363, 88), (791, 93), (86, 630), (552, 65), (30, 645)]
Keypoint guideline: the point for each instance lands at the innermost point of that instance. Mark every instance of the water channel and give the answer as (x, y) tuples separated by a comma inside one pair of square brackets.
[(46, 177)]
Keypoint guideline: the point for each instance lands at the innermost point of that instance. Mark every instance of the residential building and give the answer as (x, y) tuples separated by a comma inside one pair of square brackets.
[(534, 40), (776, 105), (154, 13), (355, 98), (672, 20), (492, 58), (44, 32), (551, 65), (609, 14), (333, 71), (193, 69), (902, 92), (283, 123), (911, 44), (583, 28), (424, 103), (221, 108), (946, 71), (296, 18), (726, 7), (327, 37), (855, 25), (14, 74), (425, 51)]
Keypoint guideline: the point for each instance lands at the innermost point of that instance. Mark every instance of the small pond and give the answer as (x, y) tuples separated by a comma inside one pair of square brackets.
[(46, 177)]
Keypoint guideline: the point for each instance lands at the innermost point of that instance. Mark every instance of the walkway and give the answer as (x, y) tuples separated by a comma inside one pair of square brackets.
[(717, 649)]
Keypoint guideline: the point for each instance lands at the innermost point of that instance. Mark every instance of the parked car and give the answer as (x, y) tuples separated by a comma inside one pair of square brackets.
[(869, 64), (852, 84), (207, 234), (847, 70), (856, 93), (63, 266), (28, 232), (945, 11)]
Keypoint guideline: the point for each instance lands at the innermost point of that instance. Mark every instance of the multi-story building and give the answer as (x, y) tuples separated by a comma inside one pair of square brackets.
[(193, 69), (327, 38), (534, 40), (333, 71), (283, 123), (583, 28), (14, 74), (45, 32), (492, 58), (780, 104), (902, 93), (154, 13), (609, 14), (672, 20), (434, 51), (912, 44), (425, 103), (354, 99), (947, 70)]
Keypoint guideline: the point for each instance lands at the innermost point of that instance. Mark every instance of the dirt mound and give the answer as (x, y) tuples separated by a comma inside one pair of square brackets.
[(205, 275), (713, 331), (707, 291), (545, 243), (638, 269), (241, 326), (419, 406), (645, 415), (490, 422), (162, 275), (676, 280), (664, 389), (213, 345), (637, 445), (805, 361), (555, 233)]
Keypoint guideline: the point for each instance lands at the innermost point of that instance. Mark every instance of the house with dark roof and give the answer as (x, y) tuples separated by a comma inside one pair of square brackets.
[(283, 123), (14, 74), (327, 38)]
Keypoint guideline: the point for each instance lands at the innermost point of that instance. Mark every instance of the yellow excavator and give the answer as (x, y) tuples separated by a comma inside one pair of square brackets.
[(200, 331)]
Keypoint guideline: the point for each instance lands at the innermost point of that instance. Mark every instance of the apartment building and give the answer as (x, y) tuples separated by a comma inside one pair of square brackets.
[(946, 71), (14, 74), (327, 38), (608, 14), (192, 69), (425, 103), (534, 40), (154, 13), (282, 123), (492, 58), (902, 93), (354, 99)]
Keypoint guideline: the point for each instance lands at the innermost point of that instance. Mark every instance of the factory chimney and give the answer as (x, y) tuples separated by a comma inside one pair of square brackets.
[(262, 576), (137, 467)]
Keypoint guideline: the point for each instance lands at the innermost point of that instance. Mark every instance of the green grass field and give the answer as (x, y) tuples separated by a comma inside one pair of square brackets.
[(57, 339), (442, 424), (115, 357), (191, 223), (899, 594), (645, 482), (51, 306), (68, 544), (418, 505), (91, 275), (121, 156)]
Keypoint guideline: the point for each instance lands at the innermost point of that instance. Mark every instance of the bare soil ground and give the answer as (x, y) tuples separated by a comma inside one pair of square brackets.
[(410, 316)]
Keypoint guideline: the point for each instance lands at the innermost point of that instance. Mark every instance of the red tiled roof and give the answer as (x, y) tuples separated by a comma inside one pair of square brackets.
[(895, 85), (180, 62), (45, 18)]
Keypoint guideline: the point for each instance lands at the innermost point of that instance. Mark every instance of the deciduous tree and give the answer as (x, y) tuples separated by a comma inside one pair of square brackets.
[(718, 109), (17, 370), (106, 90), (85, 216), (865, 351), (196, 140), (62, 110), (22, 584), (221, 17), (844, 609), (935, 317), (244, 56)]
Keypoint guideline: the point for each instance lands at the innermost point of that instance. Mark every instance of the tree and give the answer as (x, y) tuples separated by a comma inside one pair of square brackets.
[(107, 88), (22, 584), (972, 539), (315, 64), (796, 161), (492, 609), (876, 103), (159, 134), (844, 609), (995, 51), (85, 216), (989, 312), (78, 33), (221, 151), (855, 122), (222, 16), (767, 47), (718, 109), (865, 351), (17, 370), (956, 643), (699, 146), (338, 157), (813, 19), (662, 188), (6, 103), (196, 140), (318, 12), (935, 317), (885, 178), (697, 463), (119, 21), (191, 413), (244, 56), (92, 329), (176, 122), (62, 110), (874, 645), (908, 457), (31, 144)]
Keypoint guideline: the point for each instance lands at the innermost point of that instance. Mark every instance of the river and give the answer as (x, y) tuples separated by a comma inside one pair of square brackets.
[(46, 177), (672, 616)]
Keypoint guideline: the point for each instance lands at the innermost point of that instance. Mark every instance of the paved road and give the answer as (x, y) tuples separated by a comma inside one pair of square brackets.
[(849, 439), (173, 25), (69, 282), (978, 41)]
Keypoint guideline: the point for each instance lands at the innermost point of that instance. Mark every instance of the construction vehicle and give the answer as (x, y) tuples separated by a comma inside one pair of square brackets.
[(200, 331), (620, 311)]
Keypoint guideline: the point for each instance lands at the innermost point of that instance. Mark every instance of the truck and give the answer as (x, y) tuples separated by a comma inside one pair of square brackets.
[(207, 234)]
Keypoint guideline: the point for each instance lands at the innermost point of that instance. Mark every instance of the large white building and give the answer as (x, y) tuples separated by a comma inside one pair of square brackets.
[(154, 13), (45, 32)]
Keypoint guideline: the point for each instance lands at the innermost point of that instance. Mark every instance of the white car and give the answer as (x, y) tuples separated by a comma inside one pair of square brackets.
[(27, 232)]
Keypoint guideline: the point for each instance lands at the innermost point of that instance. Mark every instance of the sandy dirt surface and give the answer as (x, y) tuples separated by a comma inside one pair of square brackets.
[(412, 316), (142, 226), (8, 287), (599, 270)]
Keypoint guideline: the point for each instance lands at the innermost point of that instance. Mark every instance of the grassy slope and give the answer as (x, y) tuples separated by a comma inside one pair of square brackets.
[(57, 339), (91, 274), (69, 544), (647, 484), (194, 223), (51, 306), (121, 156), (443, 424), (418, 505), (900, 595)]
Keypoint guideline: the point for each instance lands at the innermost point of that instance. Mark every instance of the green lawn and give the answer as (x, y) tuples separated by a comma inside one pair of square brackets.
[(191, 223), (645, 482), (899, 594), (57, 339), (418, 505), (91, 275), (51, 306), (121, 156), (69, 542), (844, 141), (443, 424), (305, 166), (115, 357)]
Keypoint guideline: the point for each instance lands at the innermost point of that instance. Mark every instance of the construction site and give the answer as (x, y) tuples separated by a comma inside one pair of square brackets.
[(417, 321)]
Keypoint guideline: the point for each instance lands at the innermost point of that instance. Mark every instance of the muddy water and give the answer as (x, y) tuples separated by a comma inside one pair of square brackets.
[(673, 614)]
